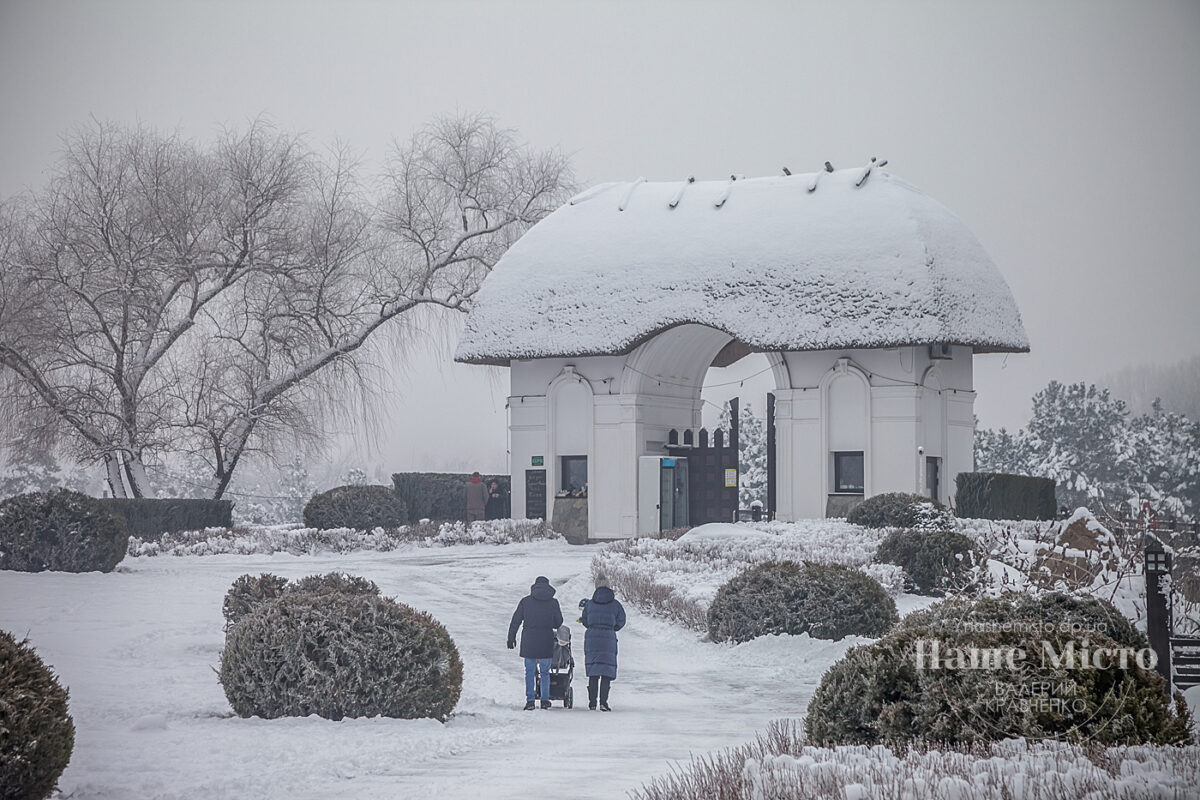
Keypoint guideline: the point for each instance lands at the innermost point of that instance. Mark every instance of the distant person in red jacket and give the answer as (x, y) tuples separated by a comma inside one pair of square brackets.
[(477, 496)]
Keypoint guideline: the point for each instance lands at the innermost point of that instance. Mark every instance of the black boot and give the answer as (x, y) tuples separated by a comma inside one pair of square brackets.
[(529, 705), (545, 704), (604, 707)]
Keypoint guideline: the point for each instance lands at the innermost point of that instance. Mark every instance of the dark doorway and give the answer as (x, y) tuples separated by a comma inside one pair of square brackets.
[(933, 468)]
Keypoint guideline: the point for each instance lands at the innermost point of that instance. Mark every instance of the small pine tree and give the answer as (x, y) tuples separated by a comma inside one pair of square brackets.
[(752, 454)]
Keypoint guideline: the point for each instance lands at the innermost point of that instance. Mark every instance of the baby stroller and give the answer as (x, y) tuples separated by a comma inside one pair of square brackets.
[(562, 670)]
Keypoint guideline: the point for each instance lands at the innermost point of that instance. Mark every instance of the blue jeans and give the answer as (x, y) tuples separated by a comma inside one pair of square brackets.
[(532, 667)]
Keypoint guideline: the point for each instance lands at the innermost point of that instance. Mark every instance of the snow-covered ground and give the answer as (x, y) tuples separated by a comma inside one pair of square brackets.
[(137, 650)]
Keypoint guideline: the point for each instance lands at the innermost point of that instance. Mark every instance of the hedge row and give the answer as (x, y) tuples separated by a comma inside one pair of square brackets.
[(149, 518), (994, 495), (437, 495)]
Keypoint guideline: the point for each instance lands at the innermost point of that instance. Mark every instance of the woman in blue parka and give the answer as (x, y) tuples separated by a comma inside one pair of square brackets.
[(603, 616)]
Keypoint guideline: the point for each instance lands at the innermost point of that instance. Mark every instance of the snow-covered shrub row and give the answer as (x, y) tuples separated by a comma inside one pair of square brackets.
[(780, 766), (678, 579), (337, 654), (826, 601), (311, 541), (37, 734), (495, 531)]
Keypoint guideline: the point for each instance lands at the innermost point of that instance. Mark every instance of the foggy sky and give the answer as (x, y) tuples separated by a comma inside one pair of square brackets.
[(1062, 133)]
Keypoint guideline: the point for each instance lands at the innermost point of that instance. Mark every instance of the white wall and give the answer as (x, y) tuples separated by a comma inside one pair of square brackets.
[(887, 403)]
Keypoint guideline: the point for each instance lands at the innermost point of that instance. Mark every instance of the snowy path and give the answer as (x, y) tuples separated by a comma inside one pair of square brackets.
[(137, 649)]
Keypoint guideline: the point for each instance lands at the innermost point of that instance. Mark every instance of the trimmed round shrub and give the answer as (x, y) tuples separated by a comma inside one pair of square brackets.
[(934, 562), (824, 601), (60, 530), (248, 593), (1078, 615), (362, 508), (942, 677), (899, 510), (37, 733), (340, 655), (334, 582)]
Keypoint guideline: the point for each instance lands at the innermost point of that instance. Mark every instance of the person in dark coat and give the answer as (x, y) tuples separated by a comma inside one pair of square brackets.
[(540, 615), (497, 501), (603, 616)]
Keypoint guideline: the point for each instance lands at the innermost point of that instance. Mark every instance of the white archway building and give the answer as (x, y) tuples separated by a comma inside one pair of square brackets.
[(868, 298)]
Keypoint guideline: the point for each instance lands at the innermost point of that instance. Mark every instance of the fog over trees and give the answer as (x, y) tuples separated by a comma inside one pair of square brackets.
[(160, 297)]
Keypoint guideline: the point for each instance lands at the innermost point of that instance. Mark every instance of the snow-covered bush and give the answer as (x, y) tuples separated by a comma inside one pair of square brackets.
[(60, 530), (37, 733), (900, 510), (248, 593), (340, 655), (678, 579), (781, 765), (824, 601), (953, 674), (361, 507), (934, 562), (332, 582)]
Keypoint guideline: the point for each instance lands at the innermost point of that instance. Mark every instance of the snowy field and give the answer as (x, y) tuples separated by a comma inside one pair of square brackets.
[(137, 649)]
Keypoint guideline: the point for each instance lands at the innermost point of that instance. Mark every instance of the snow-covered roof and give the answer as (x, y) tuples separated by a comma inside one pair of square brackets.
[(834, 260)]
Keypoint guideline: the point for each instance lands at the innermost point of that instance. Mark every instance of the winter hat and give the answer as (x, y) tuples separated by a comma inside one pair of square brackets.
[(541, 579), (601, 580)]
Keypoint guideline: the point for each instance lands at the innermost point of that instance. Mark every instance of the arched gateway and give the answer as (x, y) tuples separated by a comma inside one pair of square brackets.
[(868, 298)]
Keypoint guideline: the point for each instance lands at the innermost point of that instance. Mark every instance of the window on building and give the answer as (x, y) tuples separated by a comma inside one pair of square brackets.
[(848, 472), (574, 473)]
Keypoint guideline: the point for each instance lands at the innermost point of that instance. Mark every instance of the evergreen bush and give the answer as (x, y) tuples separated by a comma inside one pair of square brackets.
[(60, 530), (340, 655), (994, 495), (362, 508), (878, 693), (899, 510), (248, 592), (148, 518), (934, 562), (37, 733), (824, 601)]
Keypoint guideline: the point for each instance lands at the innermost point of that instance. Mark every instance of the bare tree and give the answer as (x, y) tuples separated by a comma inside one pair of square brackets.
[(216, 302), (454, 199)]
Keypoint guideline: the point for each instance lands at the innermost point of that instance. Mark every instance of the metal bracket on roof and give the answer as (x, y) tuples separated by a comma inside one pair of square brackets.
[(629, 193), (867, 170), (679, 195), (720, 201), (812, 185)]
